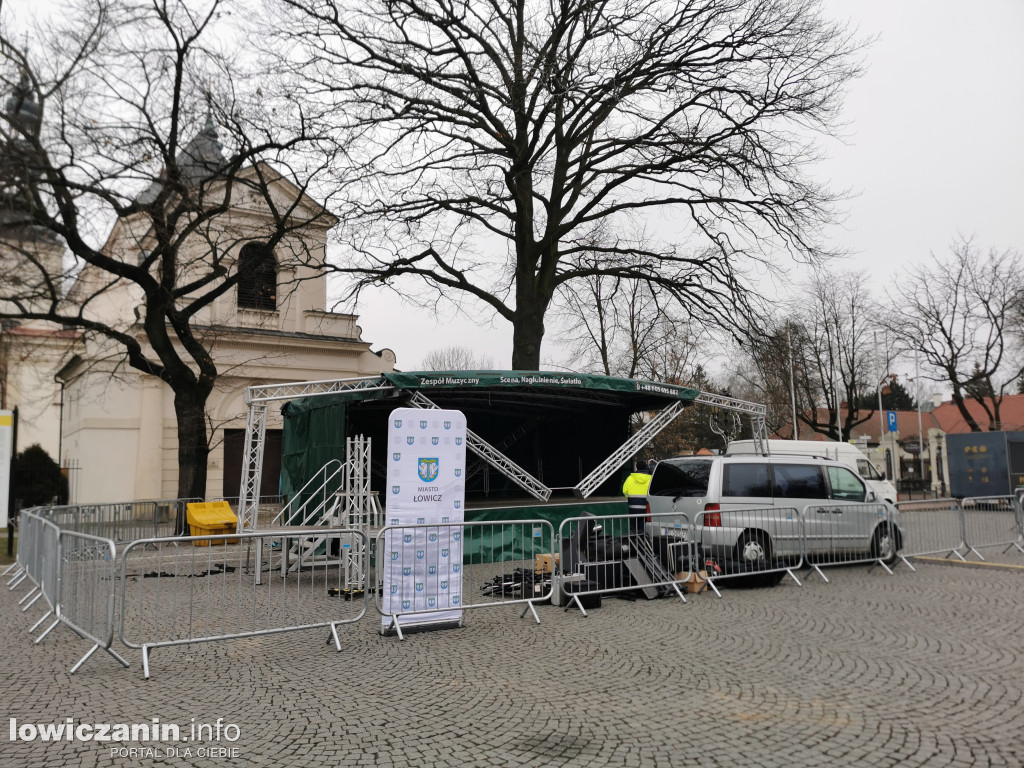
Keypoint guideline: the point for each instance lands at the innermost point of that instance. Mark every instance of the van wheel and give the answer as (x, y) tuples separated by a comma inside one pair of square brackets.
[(754, 549), (884, 546)]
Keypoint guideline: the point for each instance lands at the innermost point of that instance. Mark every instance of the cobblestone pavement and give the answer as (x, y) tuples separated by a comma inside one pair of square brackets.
[(915, 669)]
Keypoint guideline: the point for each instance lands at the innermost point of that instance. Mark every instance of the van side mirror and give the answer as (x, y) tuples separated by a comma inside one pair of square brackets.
[(871, 496)]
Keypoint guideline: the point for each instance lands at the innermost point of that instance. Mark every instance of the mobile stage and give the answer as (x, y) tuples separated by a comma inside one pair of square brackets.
[(544, 444)]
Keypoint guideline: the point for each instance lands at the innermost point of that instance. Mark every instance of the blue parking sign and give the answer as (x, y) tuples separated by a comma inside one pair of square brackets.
[(891, 417)]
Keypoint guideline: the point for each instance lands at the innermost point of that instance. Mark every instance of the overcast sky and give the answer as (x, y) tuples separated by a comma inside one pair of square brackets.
[(934, 147)]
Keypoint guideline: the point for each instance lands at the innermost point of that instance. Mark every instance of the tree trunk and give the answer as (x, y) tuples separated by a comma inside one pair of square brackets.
[(193, 447), (958, 400), (527, 334)]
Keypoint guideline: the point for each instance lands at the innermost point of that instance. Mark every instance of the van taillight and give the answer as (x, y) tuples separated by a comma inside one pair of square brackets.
[(648, 510), (712, 517)]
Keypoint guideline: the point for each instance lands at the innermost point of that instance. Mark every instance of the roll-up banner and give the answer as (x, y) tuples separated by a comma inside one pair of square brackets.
[(422, 567), (6, 454)]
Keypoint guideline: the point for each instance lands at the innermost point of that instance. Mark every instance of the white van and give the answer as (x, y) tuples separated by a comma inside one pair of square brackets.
[(844, 453)]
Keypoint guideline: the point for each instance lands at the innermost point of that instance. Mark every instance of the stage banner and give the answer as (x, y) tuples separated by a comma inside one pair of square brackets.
[(426, 485)]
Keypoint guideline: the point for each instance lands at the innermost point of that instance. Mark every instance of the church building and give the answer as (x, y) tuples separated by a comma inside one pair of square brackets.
[(112, 427)]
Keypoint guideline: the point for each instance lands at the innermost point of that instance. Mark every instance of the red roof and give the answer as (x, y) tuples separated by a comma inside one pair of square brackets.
[(945, 416), (1011, 415)]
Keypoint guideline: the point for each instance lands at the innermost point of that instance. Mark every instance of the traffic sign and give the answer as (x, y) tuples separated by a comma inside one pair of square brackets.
[(891, 418)]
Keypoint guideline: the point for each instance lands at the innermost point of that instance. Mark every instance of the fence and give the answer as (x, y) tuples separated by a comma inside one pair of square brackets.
[(122, 522), (755, 545), (88, 582), (176, 591), (75, 574), (607, 554), (992, 521), (438, 570), (849, 534), (181, 590), (931, 527), (38, 559)]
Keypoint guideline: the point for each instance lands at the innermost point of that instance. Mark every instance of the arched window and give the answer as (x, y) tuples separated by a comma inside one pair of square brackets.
[(257, 284)]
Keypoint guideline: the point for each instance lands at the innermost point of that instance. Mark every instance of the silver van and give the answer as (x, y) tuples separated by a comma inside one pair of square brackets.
[(752, 507), (844, 453)]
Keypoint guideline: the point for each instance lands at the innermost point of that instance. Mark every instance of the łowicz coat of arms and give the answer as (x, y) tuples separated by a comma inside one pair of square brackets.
[(428, 469)]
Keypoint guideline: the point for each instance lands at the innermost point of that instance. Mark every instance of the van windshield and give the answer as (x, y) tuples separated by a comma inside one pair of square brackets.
[(867, 470), (681, 477)]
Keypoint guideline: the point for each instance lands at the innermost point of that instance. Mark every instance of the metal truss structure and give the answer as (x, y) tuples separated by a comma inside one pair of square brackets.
[(627, 450)]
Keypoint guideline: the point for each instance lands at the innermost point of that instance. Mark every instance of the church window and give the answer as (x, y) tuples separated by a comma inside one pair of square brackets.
[(257, 283)]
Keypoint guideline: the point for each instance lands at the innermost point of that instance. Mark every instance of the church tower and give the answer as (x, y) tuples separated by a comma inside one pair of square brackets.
[(32, 349), (31, 257)]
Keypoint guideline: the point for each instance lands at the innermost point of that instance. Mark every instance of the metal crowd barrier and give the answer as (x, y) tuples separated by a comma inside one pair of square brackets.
[(123, 521), (931, 527), (848, 534), (992, 521), (181, 590), (28, 535), (607, 554), (75, 575), (433, 571), (39, 544), (759, 545), (88, 586)]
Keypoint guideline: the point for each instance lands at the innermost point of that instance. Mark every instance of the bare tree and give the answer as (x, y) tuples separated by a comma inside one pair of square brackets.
[(622, 327), (823, 351), (456, 358), (130, 118), (490, 142), (960, 315)]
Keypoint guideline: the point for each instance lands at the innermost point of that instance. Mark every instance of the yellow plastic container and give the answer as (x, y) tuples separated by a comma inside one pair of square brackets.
[(208, 518)]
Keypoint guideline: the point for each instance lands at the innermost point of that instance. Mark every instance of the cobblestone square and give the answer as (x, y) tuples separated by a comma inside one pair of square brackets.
[(914, 669)]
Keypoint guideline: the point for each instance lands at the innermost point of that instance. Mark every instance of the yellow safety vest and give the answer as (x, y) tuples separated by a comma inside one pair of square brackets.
[(636, 484)]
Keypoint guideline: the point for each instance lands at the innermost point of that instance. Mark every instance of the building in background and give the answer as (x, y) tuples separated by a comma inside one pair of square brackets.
[(112, 427)]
